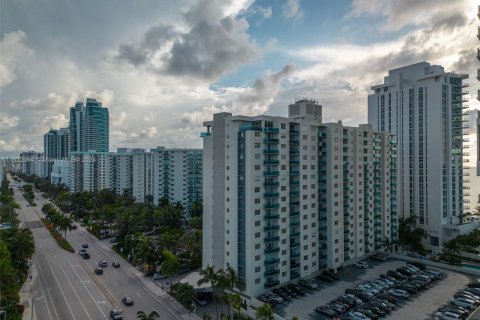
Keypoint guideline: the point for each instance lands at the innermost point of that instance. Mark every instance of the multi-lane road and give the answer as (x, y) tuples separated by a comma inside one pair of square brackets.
[(67, 287)]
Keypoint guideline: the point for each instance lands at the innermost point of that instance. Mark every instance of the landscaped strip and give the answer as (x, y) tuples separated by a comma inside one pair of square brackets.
[(57, 236)]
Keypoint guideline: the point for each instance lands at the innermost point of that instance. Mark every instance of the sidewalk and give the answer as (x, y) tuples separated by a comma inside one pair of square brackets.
[(26, 296)]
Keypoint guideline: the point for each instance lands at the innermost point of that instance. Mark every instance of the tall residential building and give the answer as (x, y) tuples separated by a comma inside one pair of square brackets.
[(285, 198), (478, 144), (422, 105), (56, 143), (89, 127), (175, 174)]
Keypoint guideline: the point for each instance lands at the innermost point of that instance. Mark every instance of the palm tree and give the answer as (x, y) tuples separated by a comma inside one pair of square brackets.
[(264, 312), (231, 280), (145, 250), (236, 302), (131, 241), (388, 244), (170, 265), (210, 275), (21, 246), (143, 316), (451, 252), (65, 223)]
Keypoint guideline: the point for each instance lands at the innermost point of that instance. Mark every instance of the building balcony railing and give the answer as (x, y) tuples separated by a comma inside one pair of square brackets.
[(294, 213), (271, 195), (294, 172), (271, 162), (294, 161), (272, 206), (271, 273), (270, 151), (266, 129), (294, 182), (271, 216), (269, 262), (294, 203), (271, 239), (271, 184), (294, 131), (271, 140), (294, 224), (271, 250), (271, 228)]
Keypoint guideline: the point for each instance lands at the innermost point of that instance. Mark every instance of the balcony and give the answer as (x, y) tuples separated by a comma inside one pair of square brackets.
[(478, 74), (294, 131), (205, 134), (295, 234), (271, 162), (294, 142), (271, 273), (271, 184), (294, 213), (271, 239), (294, 224), (271, 228), (294, 162), (271, 216), (271, 250), (294, 172), (250, 127), (275, 130), (271, 140), (294, 255), (269, 262), (294, 182), (294, 193), (271, 195), (272, 206), (270, 151), (294, 203), (294, 265)]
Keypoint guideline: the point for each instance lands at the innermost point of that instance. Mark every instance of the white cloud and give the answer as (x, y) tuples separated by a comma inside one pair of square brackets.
[(8, 122), (117, 121), (11, 145), (292, 10), (12, 50)]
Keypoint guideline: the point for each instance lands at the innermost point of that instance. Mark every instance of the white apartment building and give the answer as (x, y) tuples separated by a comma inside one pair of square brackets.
[(60, 172), (288, 197), (422, 105), (175, 174)]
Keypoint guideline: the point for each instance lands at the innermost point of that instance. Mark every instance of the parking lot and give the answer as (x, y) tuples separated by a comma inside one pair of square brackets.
[(419, 306)]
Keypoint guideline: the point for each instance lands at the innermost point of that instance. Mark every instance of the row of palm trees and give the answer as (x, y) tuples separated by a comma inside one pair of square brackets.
[(59, 221)]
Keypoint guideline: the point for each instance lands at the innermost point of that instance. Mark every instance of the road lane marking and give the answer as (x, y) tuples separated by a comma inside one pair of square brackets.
[(63, 294), (47, 289), (68, 279), (89, 293)]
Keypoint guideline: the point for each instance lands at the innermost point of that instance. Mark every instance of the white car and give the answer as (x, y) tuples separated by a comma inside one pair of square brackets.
[(399, 293), (411, 266), (465, 303), (446, 316), (368, 288), (358, 316), (274, 297), (361, 264)]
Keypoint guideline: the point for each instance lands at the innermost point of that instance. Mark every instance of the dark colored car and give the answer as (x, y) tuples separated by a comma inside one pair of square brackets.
[(331, 274), (405, 271), (381, 305), (128, 301), (380, 312), (98, 270), (369, 313), (85, 245), (389, 278), (389, 298), (358, 293), (325, 278), (291, 292), (419, 265), (410, 289), (296, 288), (86, 255), (282, 294), (396, 275), (379, 257), (116, 264), (348, 302), (327, 312)]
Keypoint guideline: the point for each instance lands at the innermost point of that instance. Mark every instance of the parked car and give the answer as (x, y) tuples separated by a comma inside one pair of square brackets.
[(354, 298), (380, 312), (381, 305), (128, 301), (399, 293), (435, 273), (379, 257), (358, 316), (396, 275), (389, 298), (473, 290), (405, 271), (462, 313), (98, 270), (273, 297), (331, 274), (419, 265), (309, 284), (368, 313), (325, 278), (462, 302), (329, 312), (408, 287), (296, 288), (361, 264), (281, 294)]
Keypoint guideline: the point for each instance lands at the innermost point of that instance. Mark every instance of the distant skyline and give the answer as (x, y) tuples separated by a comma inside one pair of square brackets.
[(163, 67)]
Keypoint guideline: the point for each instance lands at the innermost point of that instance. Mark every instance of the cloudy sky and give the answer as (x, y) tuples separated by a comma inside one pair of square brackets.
[(162, 67)]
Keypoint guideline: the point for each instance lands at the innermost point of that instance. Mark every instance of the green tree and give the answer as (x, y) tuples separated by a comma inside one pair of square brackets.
[(197, 209), (236, 302), (143, 316), (264, 312), (21, 246), (388, 244), (170, 265), (210, 275), (145, 251), (183, 293), (65, 223), (451, 252)]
